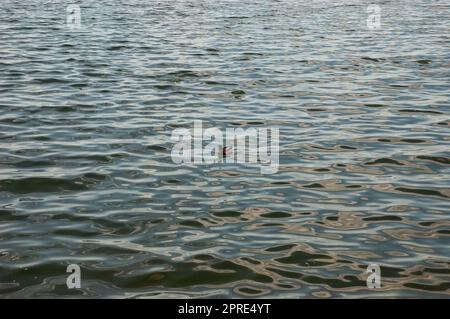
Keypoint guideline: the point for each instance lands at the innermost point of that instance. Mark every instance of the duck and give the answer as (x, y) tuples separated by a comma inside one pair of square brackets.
[(227, 150)]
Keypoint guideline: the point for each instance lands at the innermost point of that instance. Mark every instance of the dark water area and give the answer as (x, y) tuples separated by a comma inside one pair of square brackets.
[(87, 178)]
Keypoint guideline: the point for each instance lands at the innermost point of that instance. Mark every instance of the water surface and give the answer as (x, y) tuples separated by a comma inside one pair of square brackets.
[(86, 175)]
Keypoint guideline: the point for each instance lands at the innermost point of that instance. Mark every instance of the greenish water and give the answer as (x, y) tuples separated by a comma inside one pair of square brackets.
[(86, 175)]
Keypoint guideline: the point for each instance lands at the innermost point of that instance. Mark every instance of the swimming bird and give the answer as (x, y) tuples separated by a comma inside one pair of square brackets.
[(227, 150)]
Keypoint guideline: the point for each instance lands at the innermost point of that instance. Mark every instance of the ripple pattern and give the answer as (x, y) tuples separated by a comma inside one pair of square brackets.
[(86, 174)]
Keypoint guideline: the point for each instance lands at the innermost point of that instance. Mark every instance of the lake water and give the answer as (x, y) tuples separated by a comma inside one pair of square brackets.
[(87, 178)]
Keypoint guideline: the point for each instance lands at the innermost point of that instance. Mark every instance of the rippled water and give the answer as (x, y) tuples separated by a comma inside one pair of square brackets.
[(86, 175)]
